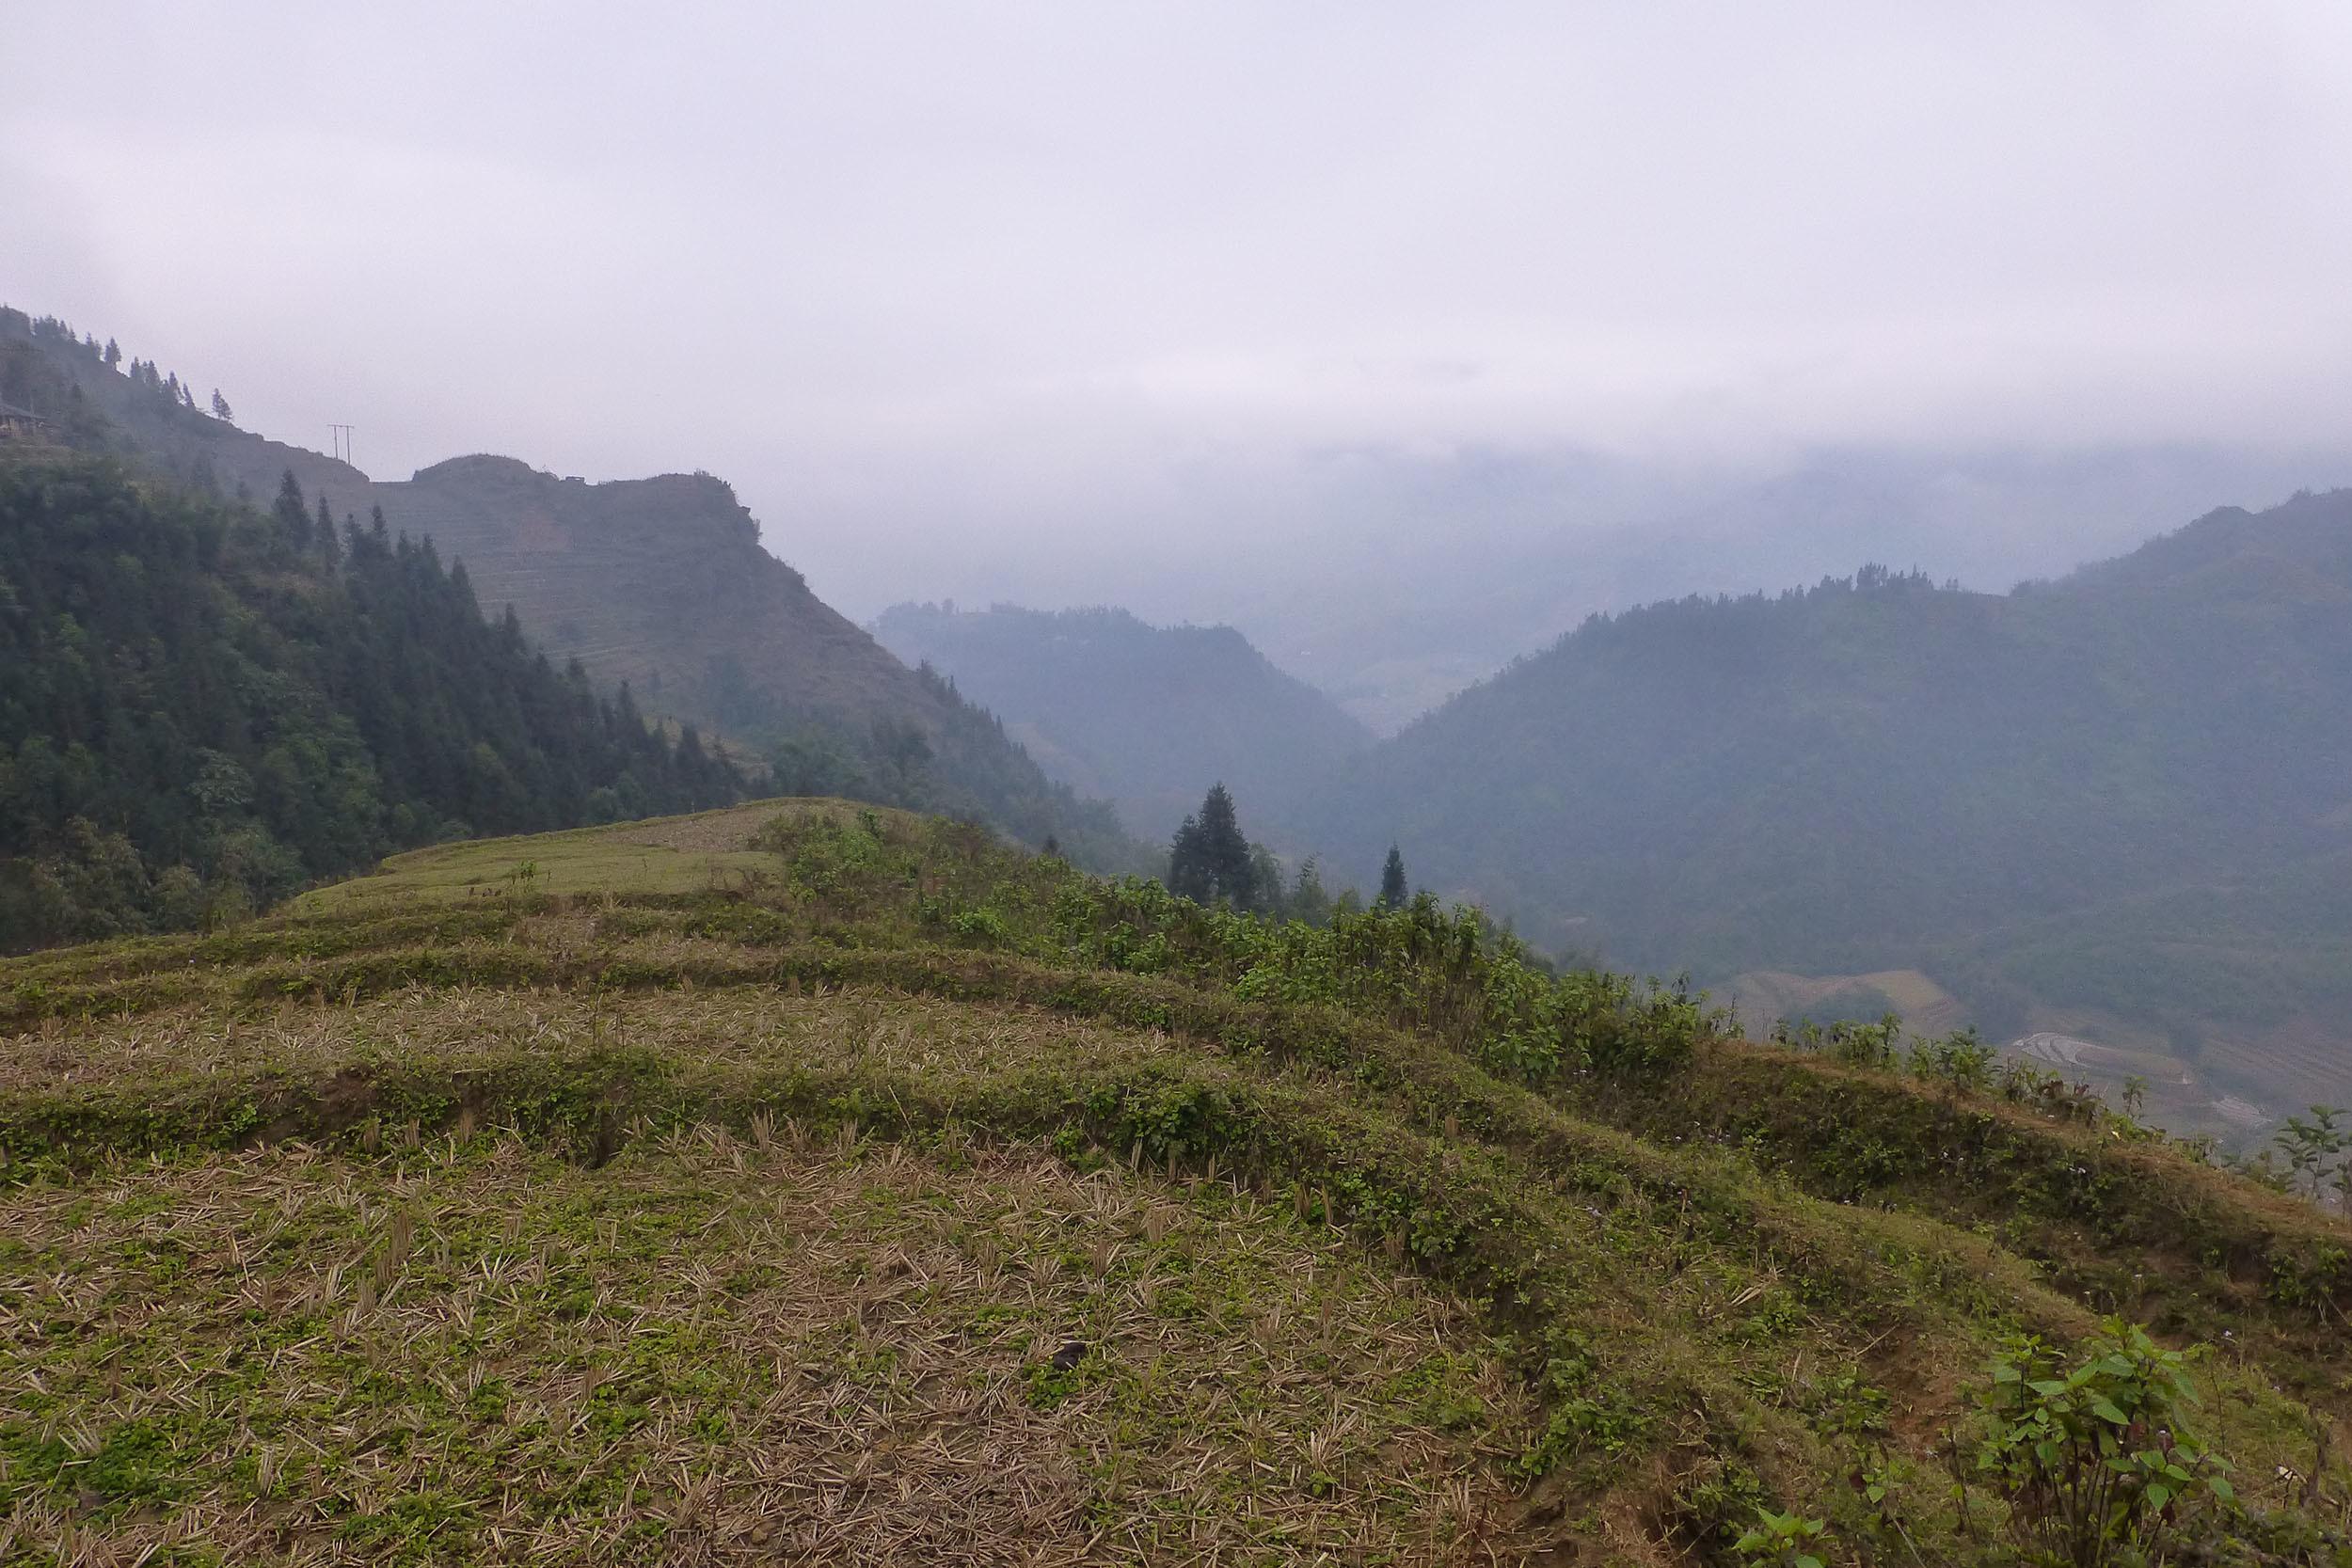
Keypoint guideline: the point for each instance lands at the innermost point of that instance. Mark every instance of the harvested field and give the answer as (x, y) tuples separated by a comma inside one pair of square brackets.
[(898, 1198), (710, 1349)]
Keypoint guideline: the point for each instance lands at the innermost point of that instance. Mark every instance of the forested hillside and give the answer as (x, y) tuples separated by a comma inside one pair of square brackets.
[(2118, 804), (204, 707), (660, 583), (1147, 716)]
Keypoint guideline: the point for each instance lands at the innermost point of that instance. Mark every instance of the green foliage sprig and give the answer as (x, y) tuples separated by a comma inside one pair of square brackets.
[(2314, 1153), (1780, 1540)]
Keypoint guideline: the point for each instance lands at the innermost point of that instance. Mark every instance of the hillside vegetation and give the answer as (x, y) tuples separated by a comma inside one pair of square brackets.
[(659, 584), (204, 707), (2116, 805), (1147, 717), (810, 1182)]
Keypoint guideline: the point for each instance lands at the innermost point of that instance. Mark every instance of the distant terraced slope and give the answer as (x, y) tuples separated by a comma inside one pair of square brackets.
[(661, 582)]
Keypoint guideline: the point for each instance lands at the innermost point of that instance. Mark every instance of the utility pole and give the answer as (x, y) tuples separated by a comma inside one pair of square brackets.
[(341, 437)]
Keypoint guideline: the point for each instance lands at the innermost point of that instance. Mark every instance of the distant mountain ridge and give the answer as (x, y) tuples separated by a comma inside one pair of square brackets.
[(1147, 715), (1392, 577)]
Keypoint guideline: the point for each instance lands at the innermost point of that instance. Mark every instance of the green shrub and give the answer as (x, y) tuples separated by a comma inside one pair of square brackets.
[(1959, 1062), (1848, 1040), (1447, 972), (983, 926), (2096, 1463)]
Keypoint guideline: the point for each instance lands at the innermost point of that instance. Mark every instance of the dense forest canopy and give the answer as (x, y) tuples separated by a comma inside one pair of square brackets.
[(205, 705)]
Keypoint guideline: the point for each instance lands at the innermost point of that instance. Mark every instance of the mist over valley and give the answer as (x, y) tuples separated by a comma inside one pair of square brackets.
[(1177, 784)]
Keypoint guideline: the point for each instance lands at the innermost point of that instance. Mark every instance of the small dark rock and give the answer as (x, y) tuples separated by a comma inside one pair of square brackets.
[(1066, 1358)]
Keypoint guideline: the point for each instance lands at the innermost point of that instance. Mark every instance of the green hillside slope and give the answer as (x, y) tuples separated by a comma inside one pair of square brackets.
[(203, 707), (2041, 798), (1148, 717), (661, 584), (802, 1181)]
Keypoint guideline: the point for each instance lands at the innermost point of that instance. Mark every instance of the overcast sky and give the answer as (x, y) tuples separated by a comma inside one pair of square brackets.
[(944, 283)]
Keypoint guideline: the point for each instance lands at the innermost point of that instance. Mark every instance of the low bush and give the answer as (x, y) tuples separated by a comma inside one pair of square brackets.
[(2095, 1463)]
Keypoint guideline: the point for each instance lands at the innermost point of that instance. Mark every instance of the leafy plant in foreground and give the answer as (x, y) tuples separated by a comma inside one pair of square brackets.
[(2095, 1461), (1780, 1540)]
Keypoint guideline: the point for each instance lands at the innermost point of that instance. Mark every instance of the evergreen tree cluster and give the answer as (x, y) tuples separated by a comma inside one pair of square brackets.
[(55, 335), (1213, 861), (203, 707), (37, 356)]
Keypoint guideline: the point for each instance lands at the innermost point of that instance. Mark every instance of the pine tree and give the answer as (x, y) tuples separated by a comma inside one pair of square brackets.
[(221, 412), (1187, 871), (113, 356), (1266, 883), (1394, 892), (1228, 850), (293, 517), (1210, 859)]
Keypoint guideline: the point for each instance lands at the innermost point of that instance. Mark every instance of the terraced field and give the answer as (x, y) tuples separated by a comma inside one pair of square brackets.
[(803, 1183)]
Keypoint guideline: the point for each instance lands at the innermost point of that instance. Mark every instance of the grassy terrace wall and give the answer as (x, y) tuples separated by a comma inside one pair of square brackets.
[(1716, 1276)]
